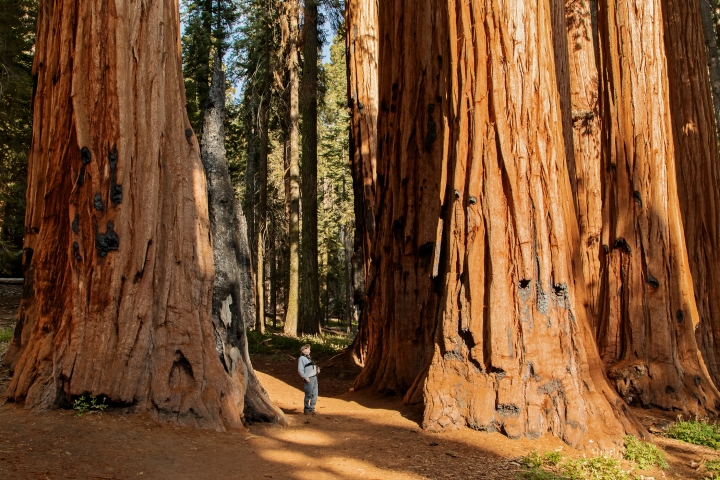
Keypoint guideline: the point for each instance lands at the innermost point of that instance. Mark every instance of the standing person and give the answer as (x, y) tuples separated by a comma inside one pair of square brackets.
[(308, 371)]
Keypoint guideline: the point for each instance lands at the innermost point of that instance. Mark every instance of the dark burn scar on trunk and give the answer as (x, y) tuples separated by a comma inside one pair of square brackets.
[(622, 244), (76, 251), (85, 155), (108, 241), (86, 159), (115, 189), (680, 316), (76, 224), (98, 203), (654, 282), (188, 135), (431, 135)]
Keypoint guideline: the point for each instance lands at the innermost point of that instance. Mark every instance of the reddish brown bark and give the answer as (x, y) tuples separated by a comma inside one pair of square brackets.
[(472, 302), (585, 173), (697, 165), (122, 260), (362, 59), (648, 310)]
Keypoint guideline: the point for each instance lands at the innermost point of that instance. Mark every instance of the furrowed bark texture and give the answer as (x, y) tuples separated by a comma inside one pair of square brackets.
[(697, 165), (362, 59), (291, 312), (646, 332), (586, 174), (122, 256), (309, 315), (513, 320), (233, 301), (471, 294)]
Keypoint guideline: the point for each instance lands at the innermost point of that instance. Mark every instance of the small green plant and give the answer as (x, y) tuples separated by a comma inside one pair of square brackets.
[(82, 405), (713, 467), (6, 334), (552, 466), (322, 345), (646, 455), (697, 432)]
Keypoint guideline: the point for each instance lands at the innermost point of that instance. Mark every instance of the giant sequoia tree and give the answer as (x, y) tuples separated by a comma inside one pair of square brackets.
[(473, 305), (119, 287), (541, 210)]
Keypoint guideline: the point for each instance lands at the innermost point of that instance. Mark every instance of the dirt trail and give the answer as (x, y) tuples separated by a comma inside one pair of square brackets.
[(354, 435)]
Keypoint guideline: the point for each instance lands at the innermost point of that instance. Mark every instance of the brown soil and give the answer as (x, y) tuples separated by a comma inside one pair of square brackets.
[(354, 435)]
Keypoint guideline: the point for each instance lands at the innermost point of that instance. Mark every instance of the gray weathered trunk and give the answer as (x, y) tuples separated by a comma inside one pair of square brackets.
[(233, 303)]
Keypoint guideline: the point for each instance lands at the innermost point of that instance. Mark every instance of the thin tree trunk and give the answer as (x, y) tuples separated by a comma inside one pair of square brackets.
[(347, 250), (251, 181), (273, 270), (309, 315), (291, 312), (122, 260), (233, 304), (261, 224), (697, 165), (647, 324), (708, 16)]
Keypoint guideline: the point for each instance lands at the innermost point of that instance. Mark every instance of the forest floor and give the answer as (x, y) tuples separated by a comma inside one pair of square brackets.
[(354, 435)]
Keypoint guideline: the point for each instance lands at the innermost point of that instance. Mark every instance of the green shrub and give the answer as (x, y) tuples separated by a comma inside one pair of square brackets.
[(696, 432), (322, 345), (83, 405), (713, 467), (6, 334), (552, 466), (645, 454)]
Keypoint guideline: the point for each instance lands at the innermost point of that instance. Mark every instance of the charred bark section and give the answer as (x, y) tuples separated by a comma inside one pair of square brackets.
[(134, 324), (652, 359), (233, 301)]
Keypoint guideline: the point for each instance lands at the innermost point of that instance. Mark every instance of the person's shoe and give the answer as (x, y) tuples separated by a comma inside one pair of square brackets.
[(308, 412)]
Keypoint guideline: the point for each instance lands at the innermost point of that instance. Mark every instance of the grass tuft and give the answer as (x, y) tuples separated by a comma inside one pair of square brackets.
[(645, 454), (6, 334), (697, 432)]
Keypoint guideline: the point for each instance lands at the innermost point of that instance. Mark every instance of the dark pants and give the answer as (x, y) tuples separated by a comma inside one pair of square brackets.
[(311, 394)]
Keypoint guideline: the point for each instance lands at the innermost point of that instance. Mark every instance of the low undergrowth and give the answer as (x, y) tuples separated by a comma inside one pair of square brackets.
[(646, 455), (6, 334), (324, 345), (697, 432), (553, 466), (713, 469)]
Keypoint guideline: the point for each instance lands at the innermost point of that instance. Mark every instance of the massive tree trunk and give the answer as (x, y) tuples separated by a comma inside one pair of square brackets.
[(233, 301), (309, 316), (647, 324), (291, 311), (122, 260), (697, 165), (362, 59), (472, 301)]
